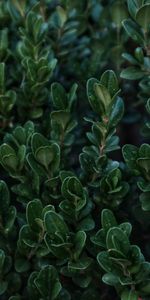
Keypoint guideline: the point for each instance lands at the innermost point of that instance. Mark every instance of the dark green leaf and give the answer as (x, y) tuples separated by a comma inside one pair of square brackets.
[(48, 283), (132, 73), (34, 212), (133, 30), (54, 224), (108, 219), (142, 16), (109, 80)]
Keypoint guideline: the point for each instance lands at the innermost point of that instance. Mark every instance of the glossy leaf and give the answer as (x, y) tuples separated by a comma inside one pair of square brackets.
[(142, 16), (48, 283)]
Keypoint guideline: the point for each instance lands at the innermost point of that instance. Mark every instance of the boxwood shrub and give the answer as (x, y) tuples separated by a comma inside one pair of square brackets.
[(74, 150)]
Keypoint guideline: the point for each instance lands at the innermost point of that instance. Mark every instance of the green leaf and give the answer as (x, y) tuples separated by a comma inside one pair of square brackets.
[(11, 216), (59, 96), (130, 58), (22, 265), (54, 224), (110, 279), (117, 239), (130, 154), (45, 152), (86, 224), (34, 212), (117, 112), (47, 282), (126, 228), (143, 272), (110, 81), (61, 118), (134, 31), (132, 73), (47, 208), (103, 96), (129, 295), (18, 6), (117, 256), (8, 157), (143, 185), (144, 164), (37, 168), (139, 54), (80, 265), (28, 236), (44, 155), (148, 106), (62, 16), (72, 95), (145, 201), (99, 238), (96, 105), (31, 287), (104, 261), (133, 7), (108, 219), (36, 113), (142, 16), (79, 243), (72, 190), (57, 247), (37, 141), (136, 255), (119, 13), (21, 156), (82, 281), (144, 150), (4, 197)]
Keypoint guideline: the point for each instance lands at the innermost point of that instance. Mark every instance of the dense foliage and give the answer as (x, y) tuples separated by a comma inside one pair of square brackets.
[(74, 149)]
